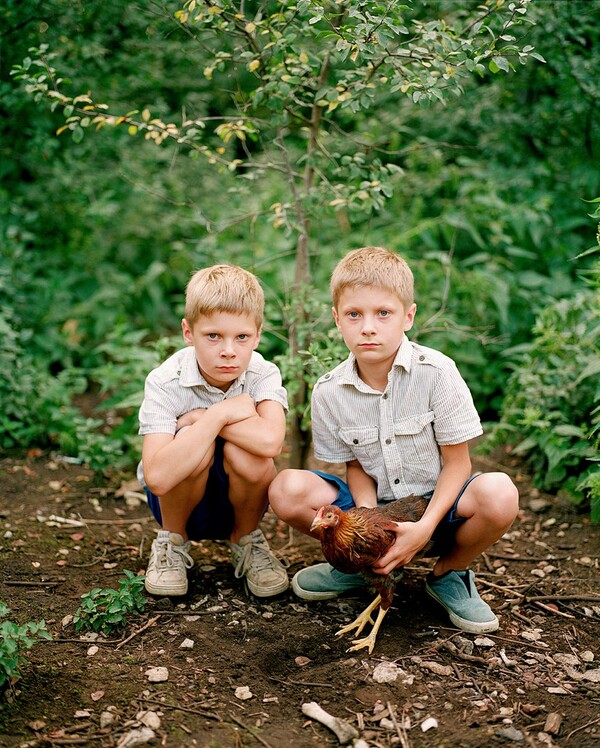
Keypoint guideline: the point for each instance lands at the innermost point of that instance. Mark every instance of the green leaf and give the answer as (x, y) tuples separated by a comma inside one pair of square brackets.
[(500, 63)]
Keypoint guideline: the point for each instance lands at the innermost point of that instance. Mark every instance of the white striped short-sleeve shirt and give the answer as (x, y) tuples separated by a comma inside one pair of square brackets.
[(177, 386), (396, 434)]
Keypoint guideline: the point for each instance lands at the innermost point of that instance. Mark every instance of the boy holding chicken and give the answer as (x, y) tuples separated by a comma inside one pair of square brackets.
[(400, 417), (213, 419)]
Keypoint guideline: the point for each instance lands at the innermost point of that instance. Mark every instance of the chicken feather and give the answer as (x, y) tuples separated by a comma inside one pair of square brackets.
[(355, 540)]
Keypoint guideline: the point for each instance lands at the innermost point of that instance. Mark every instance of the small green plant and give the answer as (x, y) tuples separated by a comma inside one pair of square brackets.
[(104, 611), (14, 640)]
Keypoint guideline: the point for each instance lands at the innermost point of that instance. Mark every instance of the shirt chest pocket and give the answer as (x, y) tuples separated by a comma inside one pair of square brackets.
[(364, 443), (415, 438)]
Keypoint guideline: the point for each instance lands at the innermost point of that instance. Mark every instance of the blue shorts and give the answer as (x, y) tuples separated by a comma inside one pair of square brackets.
[(443, 535), (212, 518)]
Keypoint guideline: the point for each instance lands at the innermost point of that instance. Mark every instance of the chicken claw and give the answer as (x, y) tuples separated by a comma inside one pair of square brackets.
[(359, 624)]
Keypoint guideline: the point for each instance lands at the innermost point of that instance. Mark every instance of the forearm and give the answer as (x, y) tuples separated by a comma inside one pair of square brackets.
[(262, 434), (453, 475), (362, 486)]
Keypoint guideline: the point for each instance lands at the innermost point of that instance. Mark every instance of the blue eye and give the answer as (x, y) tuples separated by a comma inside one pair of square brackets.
[(212, 336), (243, 336), (353, 315), (384, 313)]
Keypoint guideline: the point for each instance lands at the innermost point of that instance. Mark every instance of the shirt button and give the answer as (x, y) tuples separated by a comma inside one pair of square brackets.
[(354, 441), (421, 358), (397, 481), (385, 397), (388, 441)]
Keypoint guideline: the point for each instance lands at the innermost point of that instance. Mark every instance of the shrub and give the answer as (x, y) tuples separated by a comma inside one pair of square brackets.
[(551, 410), (14, 640)]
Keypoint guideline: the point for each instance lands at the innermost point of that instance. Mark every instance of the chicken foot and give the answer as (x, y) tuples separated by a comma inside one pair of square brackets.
[(361, 622)]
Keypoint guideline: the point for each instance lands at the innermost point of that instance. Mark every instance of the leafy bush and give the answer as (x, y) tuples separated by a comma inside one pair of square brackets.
[(35, 407), (14, 640), (106, 610), (551, 411)]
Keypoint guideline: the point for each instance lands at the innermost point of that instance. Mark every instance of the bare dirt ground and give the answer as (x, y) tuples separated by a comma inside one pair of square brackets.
[(253, 664)]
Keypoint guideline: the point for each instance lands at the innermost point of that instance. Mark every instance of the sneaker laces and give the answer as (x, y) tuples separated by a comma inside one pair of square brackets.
[(169, 555), (254, 555)]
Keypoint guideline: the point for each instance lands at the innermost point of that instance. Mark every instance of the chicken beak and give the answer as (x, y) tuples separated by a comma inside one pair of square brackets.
[(317, 521)]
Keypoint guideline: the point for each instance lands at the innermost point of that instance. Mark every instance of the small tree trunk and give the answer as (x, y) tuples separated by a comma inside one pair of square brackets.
[(298, 436)]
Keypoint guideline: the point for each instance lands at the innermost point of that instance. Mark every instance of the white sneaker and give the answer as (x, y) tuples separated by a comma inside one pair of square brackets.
[(253, 559), (167, 569)]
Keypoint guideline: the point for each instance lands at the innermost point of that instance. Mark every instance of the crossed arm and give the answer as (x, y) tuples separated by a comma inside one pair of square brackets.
[(258, 429)]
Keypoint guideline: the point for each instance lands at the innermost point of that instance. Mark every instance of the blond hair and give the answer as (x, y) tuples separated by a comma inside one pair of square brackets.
[(373, 266), (224, 288)]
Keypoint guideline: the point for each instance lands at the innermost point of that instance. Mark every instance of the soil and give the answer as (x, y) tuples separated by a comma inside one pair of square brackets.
[(534, 682)]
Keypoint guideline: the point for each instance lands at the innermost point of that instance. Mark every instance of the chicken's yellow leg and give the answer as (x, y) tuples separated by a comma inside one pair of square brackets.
[(362, 620), (369, 641)]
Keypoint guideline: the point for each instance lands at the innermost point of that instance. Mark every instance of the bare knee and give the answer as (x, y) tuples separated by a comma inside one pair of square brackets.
[(246, 466), (501, 504), (286, 491)]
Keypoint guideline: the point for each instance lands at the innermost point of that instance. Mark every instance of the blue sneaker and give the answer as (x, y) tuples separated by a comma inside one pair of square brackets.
[(323, 582), (456, 591)]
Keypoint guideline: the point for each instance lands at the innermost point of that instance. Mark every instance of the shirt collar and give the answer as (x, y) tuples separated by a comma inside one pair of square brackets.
[(402, 359), (404, 354)]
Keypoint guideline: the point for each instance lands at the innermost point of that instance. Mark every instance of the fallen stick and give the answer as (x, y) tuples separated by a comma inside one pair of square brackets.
[(151, 622), (343, 730), (250, 730), (32, 584)]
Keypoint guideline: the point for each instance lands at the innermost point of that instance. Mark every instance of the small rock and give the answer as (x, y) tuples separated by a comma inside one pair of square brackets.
[(538, 505), (302, 661), (510, 733), (136, 737), (429, 723), (531, 636), (587, 656), (106, 719), (243, 693), (464, 645), (149, 719), (566, 658), (92, 650), (484, 641), (592, 675), (157, 674), (186, 644), (386, 672), (553, 723)]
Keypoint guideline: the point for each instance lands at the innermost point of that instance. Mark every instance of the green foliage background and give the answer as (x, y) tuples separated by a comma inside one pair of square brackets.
[(486, 200)]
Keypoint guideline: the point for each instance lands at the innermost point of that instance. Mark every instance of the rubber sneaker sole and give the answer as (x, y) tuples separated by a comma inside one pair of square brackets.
[(471, 627), (166, 590), (310, 595), (271, 591)]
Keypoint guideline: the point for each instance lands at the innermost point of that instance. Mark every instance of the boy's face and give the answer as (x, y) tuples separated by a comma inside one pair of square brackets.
[(373, 322), (223, 343)]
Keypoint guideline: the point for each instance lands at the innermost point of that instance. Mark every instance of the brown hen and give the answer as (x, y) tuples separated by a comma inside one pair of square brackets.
[(355, 540)]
